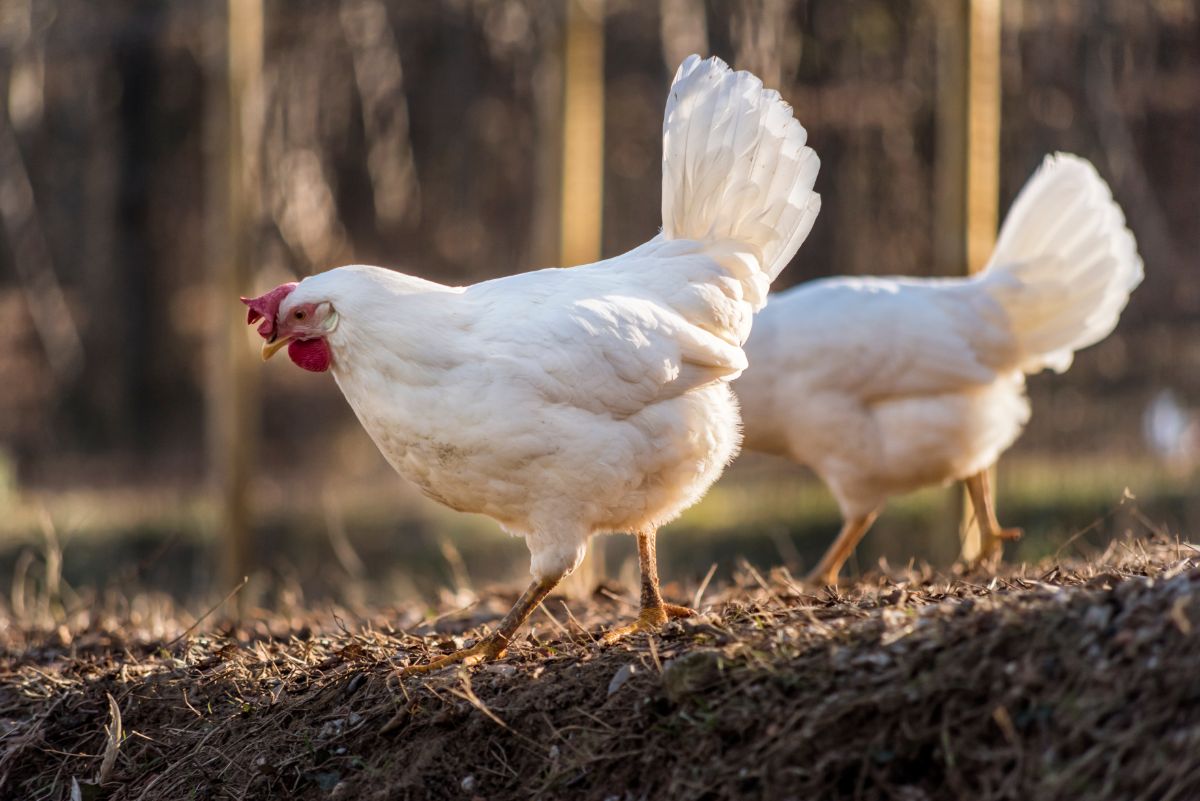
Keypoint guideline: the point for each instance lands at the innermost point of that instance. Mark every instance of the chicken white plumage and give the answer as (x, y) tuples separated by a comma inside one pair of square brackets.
[(569, 402), (885, 385)]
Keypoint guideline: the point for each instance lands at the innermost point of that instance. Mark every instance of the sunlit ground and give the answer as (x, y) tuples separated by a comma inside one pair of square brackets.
[(380, 542)]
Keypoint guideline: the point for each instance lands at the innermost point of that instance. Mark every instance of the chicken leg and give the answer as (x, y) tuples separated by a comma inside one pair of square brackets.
[(654, 612), (492, 646), (990, 531), (826, 571)]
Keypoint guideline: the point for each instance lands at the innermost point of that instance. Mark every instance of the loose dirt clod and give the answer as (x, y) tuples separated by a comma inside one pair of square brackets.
[(1070, 680)]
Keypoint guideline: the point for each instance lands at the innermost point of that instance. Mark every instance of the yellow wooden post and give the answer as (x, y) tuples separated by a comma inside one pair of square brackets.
[(583, 134), (234, 390), (582, 209), (983, 172)]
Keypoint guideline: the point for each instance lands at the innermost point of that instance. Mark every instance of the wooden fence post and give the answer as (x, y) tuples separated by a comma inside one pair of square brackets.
[(233, 390), (582, 210), (983, 175)]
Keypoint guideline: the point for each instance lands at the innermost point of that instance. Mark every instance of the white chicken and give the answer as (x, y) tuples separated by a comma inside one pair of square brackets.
[(569, 402), (885, 385)]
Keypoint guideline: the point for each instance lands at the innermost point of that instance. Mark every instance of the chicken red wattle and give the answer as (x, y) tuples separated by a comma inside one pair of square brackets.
[(310, 354)]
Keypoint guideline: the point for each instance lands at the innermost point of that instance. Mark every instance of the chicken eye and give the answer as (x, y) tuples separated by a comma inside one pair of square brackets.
[(299, 315)]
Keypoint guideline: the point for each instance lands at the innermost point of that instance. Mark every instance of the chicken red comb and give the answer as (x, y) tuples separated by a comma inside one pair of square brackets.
[(266, 308)]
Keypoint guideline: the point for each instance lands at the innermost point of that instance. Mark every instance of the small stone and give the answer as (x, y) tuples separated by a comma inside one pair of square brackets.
[(501, 669), (623, 675)]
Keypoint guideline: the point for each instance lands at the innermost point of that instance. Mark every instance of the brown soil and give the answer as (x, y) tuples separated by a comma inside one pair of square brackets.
[(1074, 680)]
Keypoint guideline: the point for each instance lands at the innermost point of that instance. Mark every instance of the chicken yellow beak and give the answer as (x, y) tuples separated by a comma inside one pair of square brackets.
[(269, 349)]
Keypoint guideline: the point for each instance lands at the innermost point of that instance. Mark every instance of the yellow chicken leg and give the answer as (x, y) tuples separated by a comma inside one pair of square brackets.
[(492, 646), (826, 571), (990, 531), (654, 612)]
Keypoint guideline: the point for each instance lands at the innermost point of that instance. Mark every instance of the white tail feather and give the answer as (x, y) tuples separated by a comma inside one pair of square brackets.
[(1064, 263), (735, 165)]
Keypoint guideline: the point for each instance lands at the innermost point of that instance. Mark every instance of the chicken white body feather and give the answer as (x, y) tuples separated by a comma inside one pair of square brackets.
[(884, 385), (568, 402)]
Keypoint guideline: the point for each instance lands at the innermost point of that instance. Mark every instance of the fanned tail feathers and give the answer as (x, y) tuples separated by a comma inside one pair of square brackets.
[(1064, 263), (736, 170)]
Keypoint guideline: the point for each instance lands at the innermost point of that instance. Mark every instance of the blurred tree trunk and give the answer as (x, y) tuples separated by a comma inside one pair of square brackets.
[(21, 74), (683, 29), (135, 62), (760, 32), (949, 235), (583, 180), (950, 159), (1127, 174), (101, 397), (545, 238), (233, 385)]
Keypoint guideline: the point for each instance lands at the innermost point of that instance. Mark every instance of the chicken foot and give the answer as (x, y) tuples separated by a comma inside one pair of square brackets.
[(826, 571), (990, 531), (655, 613), (492, 646)]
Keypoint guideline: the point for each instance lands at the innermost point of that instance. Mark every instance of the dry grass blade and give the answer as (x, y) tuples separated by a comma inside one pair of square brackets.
[(114, 733), (212, 609), (712, 571), (457, 565), (467, 693), (339, 540), (53, 555), (18, 592)]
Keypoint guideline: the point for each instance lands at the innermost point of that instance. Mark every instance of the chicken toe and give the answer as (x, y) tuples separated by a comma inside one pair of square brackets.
[(655, 613), (493, 646), (992, 534)]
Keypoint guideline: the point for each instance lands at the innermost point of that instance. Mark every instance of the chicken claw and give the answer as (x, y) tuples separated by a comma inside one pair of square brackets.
[(655, 613), (992, 533), (493, 646), (675, 611), (489, 649), (648, 621)]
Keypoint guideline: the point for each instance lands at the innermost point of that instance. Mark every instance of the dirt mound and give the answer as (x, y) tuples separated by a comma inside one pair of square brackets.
[(1069, 681)]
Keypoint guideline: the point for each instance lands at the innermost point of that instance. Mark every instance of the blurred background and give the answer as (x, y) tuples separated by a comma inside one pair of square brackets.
[(157, 159)]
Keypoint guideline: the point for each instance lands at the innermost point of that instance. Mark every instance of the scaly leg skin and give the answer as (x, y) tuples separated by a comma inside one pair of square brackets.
[(654, 612), (990, 531), (492, 647), (826, 572)]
